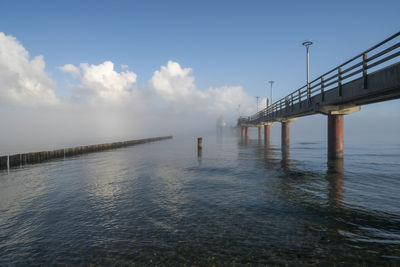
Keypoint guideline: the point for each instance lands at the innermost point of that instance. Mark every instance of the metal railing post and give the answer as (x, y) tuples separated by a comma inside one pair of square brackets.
[(286, 104), (291, 101), (340, 80), (300, 98), (322, 88), (365, 67)]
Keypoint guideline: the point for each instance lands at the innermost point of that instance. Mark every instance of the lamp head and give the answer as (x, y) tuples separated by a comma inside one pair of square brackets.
[(307, 43)]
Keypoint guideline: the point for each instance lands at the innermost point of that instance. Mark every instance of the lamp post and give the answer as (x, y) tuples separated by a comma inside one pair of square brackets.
[(271, 82), (307, 44)]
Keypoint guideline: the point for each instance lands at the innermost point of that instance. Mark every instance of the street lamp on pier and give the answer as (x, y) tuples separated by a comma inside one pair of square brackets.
[(271, 82), (307, 44)]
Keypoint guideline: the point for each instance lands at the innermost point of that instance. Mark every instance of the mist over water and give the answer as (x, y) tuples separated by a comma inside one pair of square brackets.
[(159, 203), (103, 102)]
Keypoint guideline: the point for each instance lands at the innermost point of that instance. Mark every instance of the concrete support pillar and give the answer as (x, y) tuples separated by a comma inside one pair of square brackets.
[(259, 132), (247, 136), (335, 136), (285, 134), (243, 132), (267, 134), (285, 142)]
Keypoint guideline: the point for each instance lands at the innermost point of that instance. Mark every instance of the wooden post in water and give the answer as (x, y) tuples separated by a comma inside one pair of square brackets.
[(3, 162), (199, 146), (35, 157)]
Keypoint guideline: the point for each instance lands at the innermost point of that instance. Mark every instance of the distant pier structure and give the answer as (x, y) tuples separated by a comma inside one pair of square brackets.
[(370, 77)]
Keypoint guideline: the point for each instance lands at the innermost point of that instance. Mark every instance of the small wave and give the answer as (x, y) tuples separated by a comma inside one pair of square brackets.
[(307, 143)]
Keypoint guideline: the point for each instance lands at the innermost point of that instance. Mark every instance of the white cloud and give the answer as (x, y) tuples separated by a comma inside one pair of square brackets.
[(23, 82), (171, 104), (175, 85), (71, 69), (101, 81), (227, 98)]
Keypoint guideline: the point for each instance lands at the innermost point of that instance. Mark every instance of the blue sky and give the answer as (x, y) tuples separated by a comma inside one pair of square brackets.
[(226, 45), (225, 42)]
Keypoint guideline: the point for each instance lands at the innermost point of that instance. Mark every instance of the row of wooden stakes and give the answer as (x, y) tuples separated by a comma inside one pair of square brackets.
[(37, 157)]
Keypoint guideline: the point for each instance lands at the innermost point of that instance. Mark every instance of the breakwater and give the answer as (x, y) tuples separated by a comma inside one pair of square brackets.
[(16, 160)]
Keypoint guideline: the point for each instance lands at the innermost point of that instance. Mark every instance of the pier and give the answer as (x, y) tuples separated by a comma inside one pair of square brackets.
[(370, 77)]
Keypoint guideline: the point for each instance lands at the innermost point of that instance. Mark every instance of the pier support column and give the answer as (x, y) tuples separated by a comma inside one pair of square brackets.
[(285, 142), (247, 132), (242, 132), (335, 127), (285, 136), (247, 136), (335, 136), (267, 134), (259, 132)]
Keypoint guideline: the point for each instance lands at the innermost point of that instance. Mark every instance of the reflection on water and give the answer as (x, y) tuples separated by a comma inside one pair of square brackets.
[(238, 202), (335, 177), (285, 156)]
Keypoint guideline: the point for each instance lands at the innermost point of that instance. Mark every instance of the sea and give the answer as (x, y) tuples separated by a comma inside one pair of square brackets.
[(238, 202)]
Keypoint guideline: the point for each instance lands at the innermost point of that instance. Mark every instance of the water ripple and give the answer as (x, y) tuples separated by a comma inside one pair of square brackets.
[(237, 204)]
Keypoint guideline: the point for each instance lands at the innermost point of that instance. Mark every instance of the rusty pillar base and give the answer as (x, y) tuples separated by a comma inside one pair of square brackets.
[(247, 135), (247, 132), (285, 143), (285, 135), (335, 137), (267, 134), (243, 134)]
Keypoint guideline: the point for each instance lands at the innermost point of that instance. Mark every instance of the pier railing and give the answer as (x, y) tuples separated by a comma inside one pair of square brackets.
[(354, 68)]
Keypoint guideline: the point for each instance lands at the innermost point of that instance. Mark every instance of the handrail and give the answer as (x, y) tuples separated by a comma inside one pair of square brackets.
[(307, 91)]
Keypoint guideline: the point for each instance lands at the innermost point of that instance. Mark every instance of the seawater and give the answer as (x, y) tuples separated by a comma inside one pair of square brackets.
[(239, 203)]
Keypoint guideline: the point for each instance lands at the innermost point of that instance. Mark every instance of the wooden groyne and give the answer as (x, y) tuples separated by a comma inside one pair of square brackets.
[(37, 157)]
